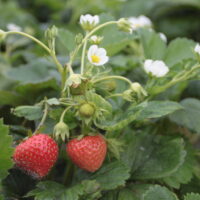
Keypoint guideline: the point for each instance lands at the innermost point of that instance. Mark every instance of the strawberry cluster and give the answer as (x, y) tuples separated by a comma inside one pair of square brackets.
[(38, 154)]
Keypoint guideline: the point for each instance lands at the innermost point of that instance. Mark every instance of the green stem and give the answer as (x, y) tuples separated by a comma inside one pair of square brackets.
[(83, 56), (176, 79), (52, 54), (63, 114), (113, 77), (68, 174), (115, 95), (43, 118)]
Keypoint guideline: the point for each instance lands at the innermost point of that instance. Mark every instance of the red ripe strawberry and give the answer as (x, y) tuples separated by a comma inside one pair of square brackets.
[(36, 155), (88, 153)]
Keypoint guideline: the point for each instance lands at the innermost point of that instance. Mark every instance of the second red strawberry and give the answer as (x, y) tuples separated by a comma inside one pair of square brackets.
[(88, 153)]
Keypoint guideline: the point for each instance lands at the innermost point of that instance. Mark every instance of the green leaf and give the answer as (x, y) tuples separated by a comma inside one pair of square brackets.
[(164, 160), (36, 90), (178, 50), (37, 71), (126, 194), (151, 109), (49, 190), (154, 47), (152, 157), (112, 175), (189, 116), (115, 146), (6, 150), (158, 192), (73, 193), (66, 40), (192, 196), (28, 112), (184, 173), (138, 189), (53, 101), (145, 110), (10, 98)]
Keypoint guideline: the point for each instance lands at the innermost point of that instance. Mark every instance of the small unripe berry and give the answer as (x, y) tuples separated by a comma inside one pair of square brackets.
[(86, 110)]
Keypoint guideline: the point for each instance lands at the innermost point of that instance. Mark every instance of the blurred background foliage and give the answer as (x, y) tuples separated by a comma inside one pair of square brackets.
[(25, 68), (27, 74)]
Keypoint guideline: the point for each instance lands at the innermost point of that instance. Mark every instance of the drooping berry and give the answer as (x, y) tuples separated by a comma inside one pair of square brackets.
[(36, 155), (88, 153)]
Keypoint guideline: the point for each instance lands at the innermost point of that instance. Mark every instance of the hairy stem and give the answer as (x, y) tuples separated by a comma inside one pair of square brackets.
[(83, 56), (63, 114), (45, 112), (113, 77)]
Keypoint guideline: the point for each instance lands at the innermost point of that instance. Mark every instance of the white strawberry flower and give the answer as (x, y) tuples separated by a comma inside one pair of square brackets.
[(197, 48), (97, 56), (163, 37), (156, 68), (88, 22), (13, 27), (139, 22)]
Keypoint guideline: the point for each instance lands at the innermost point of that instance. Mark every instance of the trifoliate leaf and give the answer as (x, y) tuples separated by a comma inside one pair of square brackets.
[(6, 150)]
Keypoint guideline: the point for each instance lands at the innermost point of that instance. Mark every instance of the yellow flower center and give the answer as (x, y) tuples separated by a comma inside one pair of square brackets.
[(95, 59)]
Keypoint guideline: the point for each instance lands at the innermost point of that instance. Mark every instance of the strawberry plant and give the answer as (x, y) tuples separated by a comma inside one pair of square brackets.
[(105, 118)]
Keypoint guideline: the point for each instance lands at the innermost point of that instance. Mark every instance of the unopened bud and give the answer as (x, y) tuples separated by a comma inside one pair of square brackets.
[(61, 130), (124, 25), (78, 38), (136, 87), (96, 39)]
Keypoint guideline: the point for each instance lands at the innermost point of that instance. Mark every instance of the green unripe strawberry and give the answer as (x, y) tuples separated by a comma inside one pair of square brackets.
[(86, 110)]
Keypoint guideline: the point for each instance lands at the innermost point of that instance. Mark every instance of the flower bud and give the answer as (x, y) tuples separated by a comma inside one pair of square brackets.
[(61, 130), (96, 39), (86, 110), (74, 80), (78, 38), (88, 22), (136, 87), (135, 93), (124, 25)]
